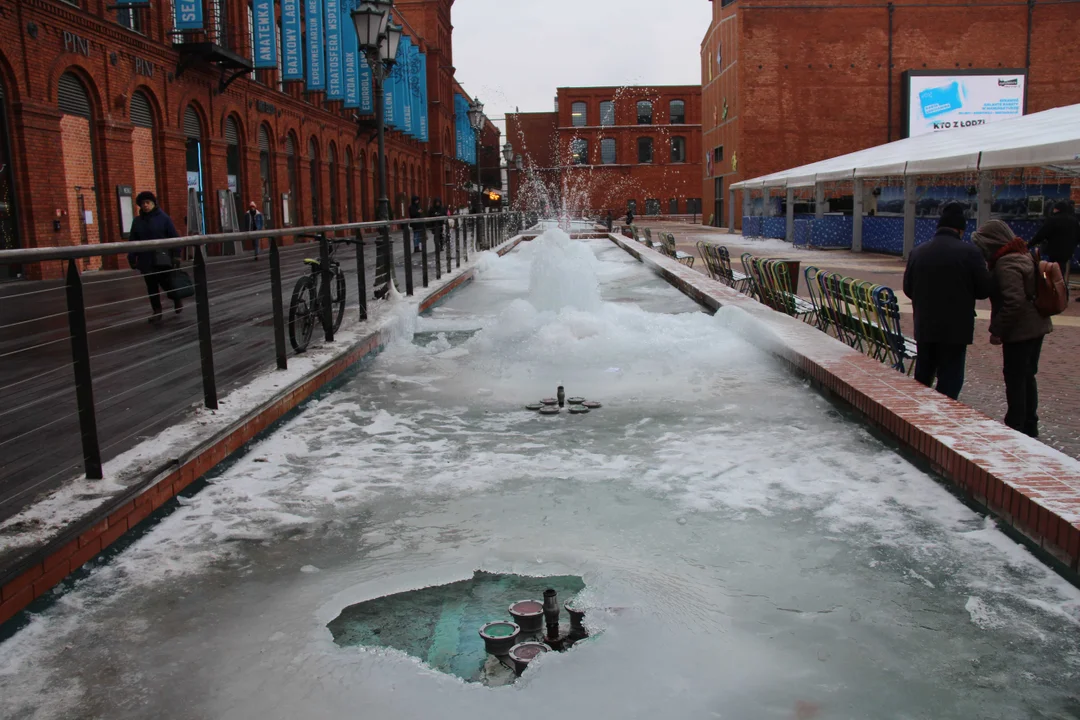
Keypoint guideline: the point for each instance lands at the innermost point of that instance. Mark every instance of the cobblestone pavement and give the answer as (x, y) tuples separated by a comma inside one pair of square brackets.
[(984, 389)]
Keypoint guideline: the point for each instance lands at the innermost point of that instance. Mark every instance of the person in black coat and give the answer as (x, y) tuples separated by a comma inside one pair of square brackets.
[(629, 217), (156, 266), (1058, 237), (944, 278), (438, 227), (415, 213)]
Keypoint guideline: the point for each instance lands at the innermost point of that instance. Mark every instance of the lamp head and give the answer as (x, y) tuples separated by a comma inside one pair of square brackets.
[(390, 41), (508, 153), (370, 22), (476, 115)]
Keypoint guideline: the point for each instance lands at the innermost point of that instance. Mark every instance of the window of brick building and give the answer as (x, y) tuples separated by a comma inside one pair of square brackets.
[(644, 112), (678, 149), (194, 164), (608, 155), (143, 144), (233, 167), (350, 187), (718, 154), (313, 159), (693, 206), (673, 206), (266, 174), (290, 164), (607, 113), (132, 18), (677, 112), (331, 162), (579, 114), (644, 150), (579, 151), (652, 206)]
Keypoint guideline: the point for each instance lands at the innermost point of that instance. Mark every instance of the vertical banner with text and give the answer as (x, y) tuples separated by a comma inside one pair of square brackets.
[(316, 77), (423, 99), (189, 15), (405, 96), (335, 89), (292, 34), (263, 31)]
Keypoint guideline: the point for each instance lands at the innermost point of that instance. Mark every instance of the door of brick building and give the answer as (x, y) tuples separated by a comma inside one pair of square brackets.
[(80, 165), (718, 202), (9, 226)]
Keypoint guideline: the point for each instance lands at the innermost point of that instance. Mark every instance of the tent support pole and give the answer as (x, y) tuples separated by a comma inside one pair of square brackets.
[(909, 215), (857, 216)]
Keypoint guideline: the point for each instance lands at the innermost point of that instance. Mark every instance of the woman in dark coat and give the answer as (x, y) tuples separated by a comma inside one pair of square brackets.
[(1015, 323), (156, 266)]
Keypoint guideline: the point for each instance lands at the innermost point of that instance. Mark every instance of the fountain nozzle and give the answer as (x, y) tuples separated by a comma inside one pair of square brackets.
[(561, 395), (551, 613)]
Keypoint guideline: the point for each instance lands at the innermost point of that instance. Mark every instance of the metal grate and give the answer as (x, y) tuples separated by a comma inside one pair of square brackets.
[(72, 97), (264, 139), (192, 126), (232, 135), (141, 114)]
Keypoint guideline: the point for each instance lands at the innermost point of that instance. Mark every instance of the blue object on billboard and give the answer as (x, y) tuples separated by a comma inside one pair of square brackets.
[(188, 14), (404, 96), (367, 86), (349, 58), (316, 77), (335, 90), (458, 134), (263, 31), (388, 98), (423, 99), (939, 100), (414, 89), (292, 41)]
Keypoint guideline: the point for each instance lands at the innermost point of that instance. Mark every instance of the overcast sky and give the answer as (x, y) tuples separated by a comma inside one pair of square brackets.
[(515, 53)]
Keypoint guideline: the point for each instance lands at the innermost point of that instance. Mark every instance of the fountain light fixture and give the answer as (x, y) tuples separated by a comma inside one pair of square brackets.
[(516, 643)]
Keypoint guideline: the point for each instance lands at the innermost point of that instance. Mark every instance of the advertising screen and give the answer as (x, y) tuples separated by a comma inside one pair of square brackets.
[(943, 101)]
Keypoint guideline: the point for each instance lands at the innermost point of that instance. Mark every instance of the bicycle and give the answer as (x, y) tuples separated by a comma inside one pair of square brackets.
[(305, 308)]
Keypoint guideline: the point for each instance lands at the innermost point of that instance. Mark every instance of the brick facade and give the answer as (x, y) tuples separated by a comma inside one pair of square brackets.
[(48, 38), (568, 149), (804, 81)]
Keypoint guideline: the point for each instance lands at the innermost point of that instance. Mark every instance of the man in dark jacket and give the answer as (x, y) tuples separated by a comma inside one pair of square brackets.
[(415, 213), (944, 278), (254, 221), (156, 266), (1058, 237), (438, 228)]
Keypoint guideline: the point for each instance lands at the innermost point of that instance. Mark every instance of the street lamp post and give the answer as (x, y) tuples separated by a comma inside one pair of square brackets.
[(508, 155), (476, 121), (378, 38)]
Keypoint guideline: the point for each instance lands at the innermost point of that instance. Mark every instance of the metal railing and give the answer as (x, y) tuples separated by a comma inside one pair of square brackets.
[(145, 377)]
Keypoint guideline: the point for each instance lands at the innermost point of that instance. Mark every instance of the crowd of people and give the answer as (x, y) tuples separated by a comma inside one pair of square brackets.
[(946, 276)]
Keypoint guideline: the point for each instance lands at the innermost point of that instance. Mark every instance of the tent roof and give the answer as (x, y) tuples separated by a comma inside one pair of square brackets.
[(1051, 137)]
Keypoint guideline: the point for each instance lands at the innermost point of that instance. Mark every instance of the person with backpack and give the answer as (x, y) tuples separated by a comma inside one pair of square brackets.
[(157, 266), (1017, 323), (1059, 236), (944, 278)]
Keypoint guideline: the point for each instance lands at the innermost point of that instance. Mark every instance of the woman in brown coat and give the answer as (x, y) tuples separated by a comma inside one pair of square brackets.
[(1015, 323)]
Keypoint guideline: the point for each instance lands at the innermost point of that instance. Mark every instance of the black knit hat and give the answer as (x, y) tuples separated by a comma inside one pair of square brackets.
[(952, 216), (144, 196)]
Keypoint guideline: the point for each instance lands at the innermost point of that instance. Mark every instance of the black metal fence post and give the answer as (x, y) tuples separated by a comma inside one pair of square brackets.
[(457, 243), (361, 275), (424, 257), (464, 227), (438, 261), (206, 348), (325, 278), (406, 233), (84, 387), (279, 307)]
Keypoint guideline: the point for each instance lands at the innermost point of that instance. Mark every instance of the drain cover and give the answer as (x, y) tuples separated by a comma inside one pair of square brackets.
[(549, 401), (549, 410), (592, 404), (576, 400), (533, 406), (578, 409)]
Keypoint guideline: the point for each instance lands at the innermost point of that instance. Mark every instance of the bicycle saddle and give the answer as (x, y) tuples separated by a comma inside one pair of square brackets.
[(311, 261)]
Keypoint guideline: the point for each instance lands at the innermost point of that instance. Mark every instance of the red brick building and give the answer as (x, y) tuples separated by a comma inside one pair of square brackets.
[(784, 84), (614, 148), (93, 100)]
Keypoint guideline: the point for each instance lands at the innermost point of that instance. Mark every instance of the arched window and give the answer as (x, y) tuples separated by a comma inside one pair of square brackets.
[(677, 112), (608, 154), (579, 151), (607, 113), (194, 164), (644, 150), (579, 115), (266, 173), (644, 112), (364, 206), (331, 161), (80, 163), (232, 171), (143, 145), (316, 195), (678, 149), (350, 187), (9, 227), (288, 210)]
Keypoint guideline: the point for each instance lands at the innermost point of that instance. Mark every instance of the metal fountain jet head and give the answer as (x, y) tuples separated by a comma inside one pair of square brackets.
[(551, 613), (561, 395)]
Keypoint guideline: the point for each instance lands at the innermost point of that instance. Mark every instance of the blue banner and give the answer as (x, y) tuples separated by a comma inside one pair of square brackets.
[(292, 41), (263, 32), (316, 78), (459, 137), (188, 14), (350, 58), (401, 91), (414, 89), (367, 87), (405, 90), (335, 89), (389, 93), (423, 99)]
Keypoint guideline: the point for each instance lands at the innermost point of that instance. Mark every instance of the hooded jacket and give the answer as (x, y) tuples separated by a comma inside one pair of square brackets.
[(1060, 234), (1013, 316), (154, 225), (944, 278)]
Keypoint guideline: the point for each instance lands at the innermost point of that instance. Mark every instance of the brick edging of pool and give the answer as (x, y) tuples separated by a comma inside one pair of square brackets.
[(42, 569), (1031, 487)]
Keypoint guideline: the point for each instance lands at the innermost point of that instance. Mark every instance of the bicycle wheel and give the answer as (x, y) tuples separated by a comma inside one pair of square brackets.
[(337, 298), (302, 313)]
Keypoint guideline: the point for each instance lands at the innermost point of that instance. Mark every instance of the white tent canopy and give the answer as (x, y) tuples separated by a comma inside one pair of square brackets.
[(1051, 137)]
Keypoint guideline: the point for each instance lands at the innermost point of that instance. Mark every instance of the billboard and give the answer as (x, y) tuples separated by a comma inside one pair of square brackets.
[(947, 101)]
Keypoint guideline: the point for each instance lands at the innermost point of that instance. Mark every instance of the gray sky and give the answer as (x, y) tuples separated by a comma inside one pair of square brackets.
[(517, 52)]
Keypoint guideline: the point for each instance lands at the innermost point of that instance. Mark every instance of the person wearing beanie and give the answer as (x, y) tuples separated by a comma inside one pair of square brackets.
[(1015, 323), (944, 278), (156, 266), (1058, 237)]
